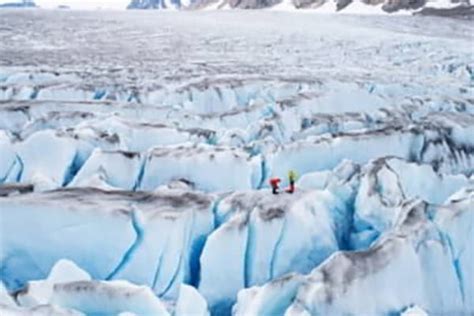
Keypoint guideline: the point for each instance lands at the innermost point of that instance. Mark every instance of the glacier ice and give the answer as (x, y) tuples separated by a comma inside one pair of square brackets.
[(40, 292), (190, 302), (107, 298), (38, 168), (10, 164), (414, 311), (109, 169), (5, 298), (386, 184), (234, 169), (133, 252), (134, 170), (70, 235), (270, 299), (410, 253), (272, 236), (69, 290)]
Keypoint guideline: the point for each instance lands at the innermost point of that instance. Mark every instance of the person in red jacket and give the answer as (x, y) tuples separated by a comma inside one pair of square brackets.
[(274, 183)]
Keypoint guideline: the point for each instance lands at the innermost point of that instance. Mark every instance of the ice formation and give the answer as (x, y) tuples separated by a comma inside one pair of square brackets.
[(135, 180), (413, 252)]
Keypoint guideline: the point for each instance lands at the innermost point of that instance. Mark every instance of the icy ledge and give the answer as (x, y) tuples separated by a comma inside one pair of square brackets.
[(156, 237), (69, 290)]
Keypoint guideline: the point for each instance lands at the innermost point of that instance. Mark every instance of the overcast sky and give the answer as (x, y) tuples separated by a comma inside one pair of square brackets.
[(80, 4)]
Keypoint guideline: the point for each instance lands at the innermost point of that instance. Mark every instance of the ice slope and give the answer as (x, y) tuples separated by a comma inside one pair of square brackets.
[(418, 259), (270, 237), (107, 298), (41, 292), (38, 167), (190, 302), (248, 238), (274, 297), (409, 257), (69, 290), (233, 169), (135, 246), (109, 169), (386, 184), (10, 164)]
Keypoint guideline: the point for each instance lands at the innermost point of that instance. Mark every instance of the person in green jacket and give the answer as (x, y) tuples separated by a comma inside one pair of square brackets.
[(291, 179)]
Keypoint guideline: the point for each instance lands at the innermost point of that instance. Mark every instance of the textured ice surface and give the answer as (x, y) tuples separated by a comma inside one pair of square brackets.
[(40, 292), (190, 302), (409, 253), (140, 149), (69, 290)]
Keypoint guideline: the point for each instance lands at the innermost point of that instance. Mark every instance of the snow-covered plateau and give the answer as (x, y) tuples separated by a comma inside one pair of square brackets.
[(136, 150)]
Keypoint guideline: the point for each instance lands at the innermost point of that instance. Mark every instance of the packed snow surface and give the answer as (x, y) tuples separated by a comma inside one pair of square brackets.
[(136, 150)]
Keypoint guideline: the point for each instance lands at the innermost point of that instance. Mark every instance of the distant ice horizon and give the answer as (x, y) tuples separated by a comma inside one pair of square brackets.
[(80, 4)]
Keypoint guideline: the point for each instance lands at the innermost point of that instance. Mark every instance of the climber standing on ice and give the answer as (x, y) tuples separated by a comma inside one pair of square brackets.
[(291, 179), (274, 182)]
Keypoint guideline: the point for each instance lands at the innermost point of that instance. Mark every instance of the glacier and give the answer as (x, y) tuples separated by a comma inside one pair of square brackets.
[(134, 170)]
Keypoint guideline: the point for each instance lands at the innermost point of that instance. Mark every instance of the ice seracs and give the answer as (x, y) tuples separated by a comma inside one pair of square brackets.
[(131, 250), (272, 236), (138, 177), (386, 184), (110, 169), (38, 167), (407, 254), (233, 169), (10, 164)]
